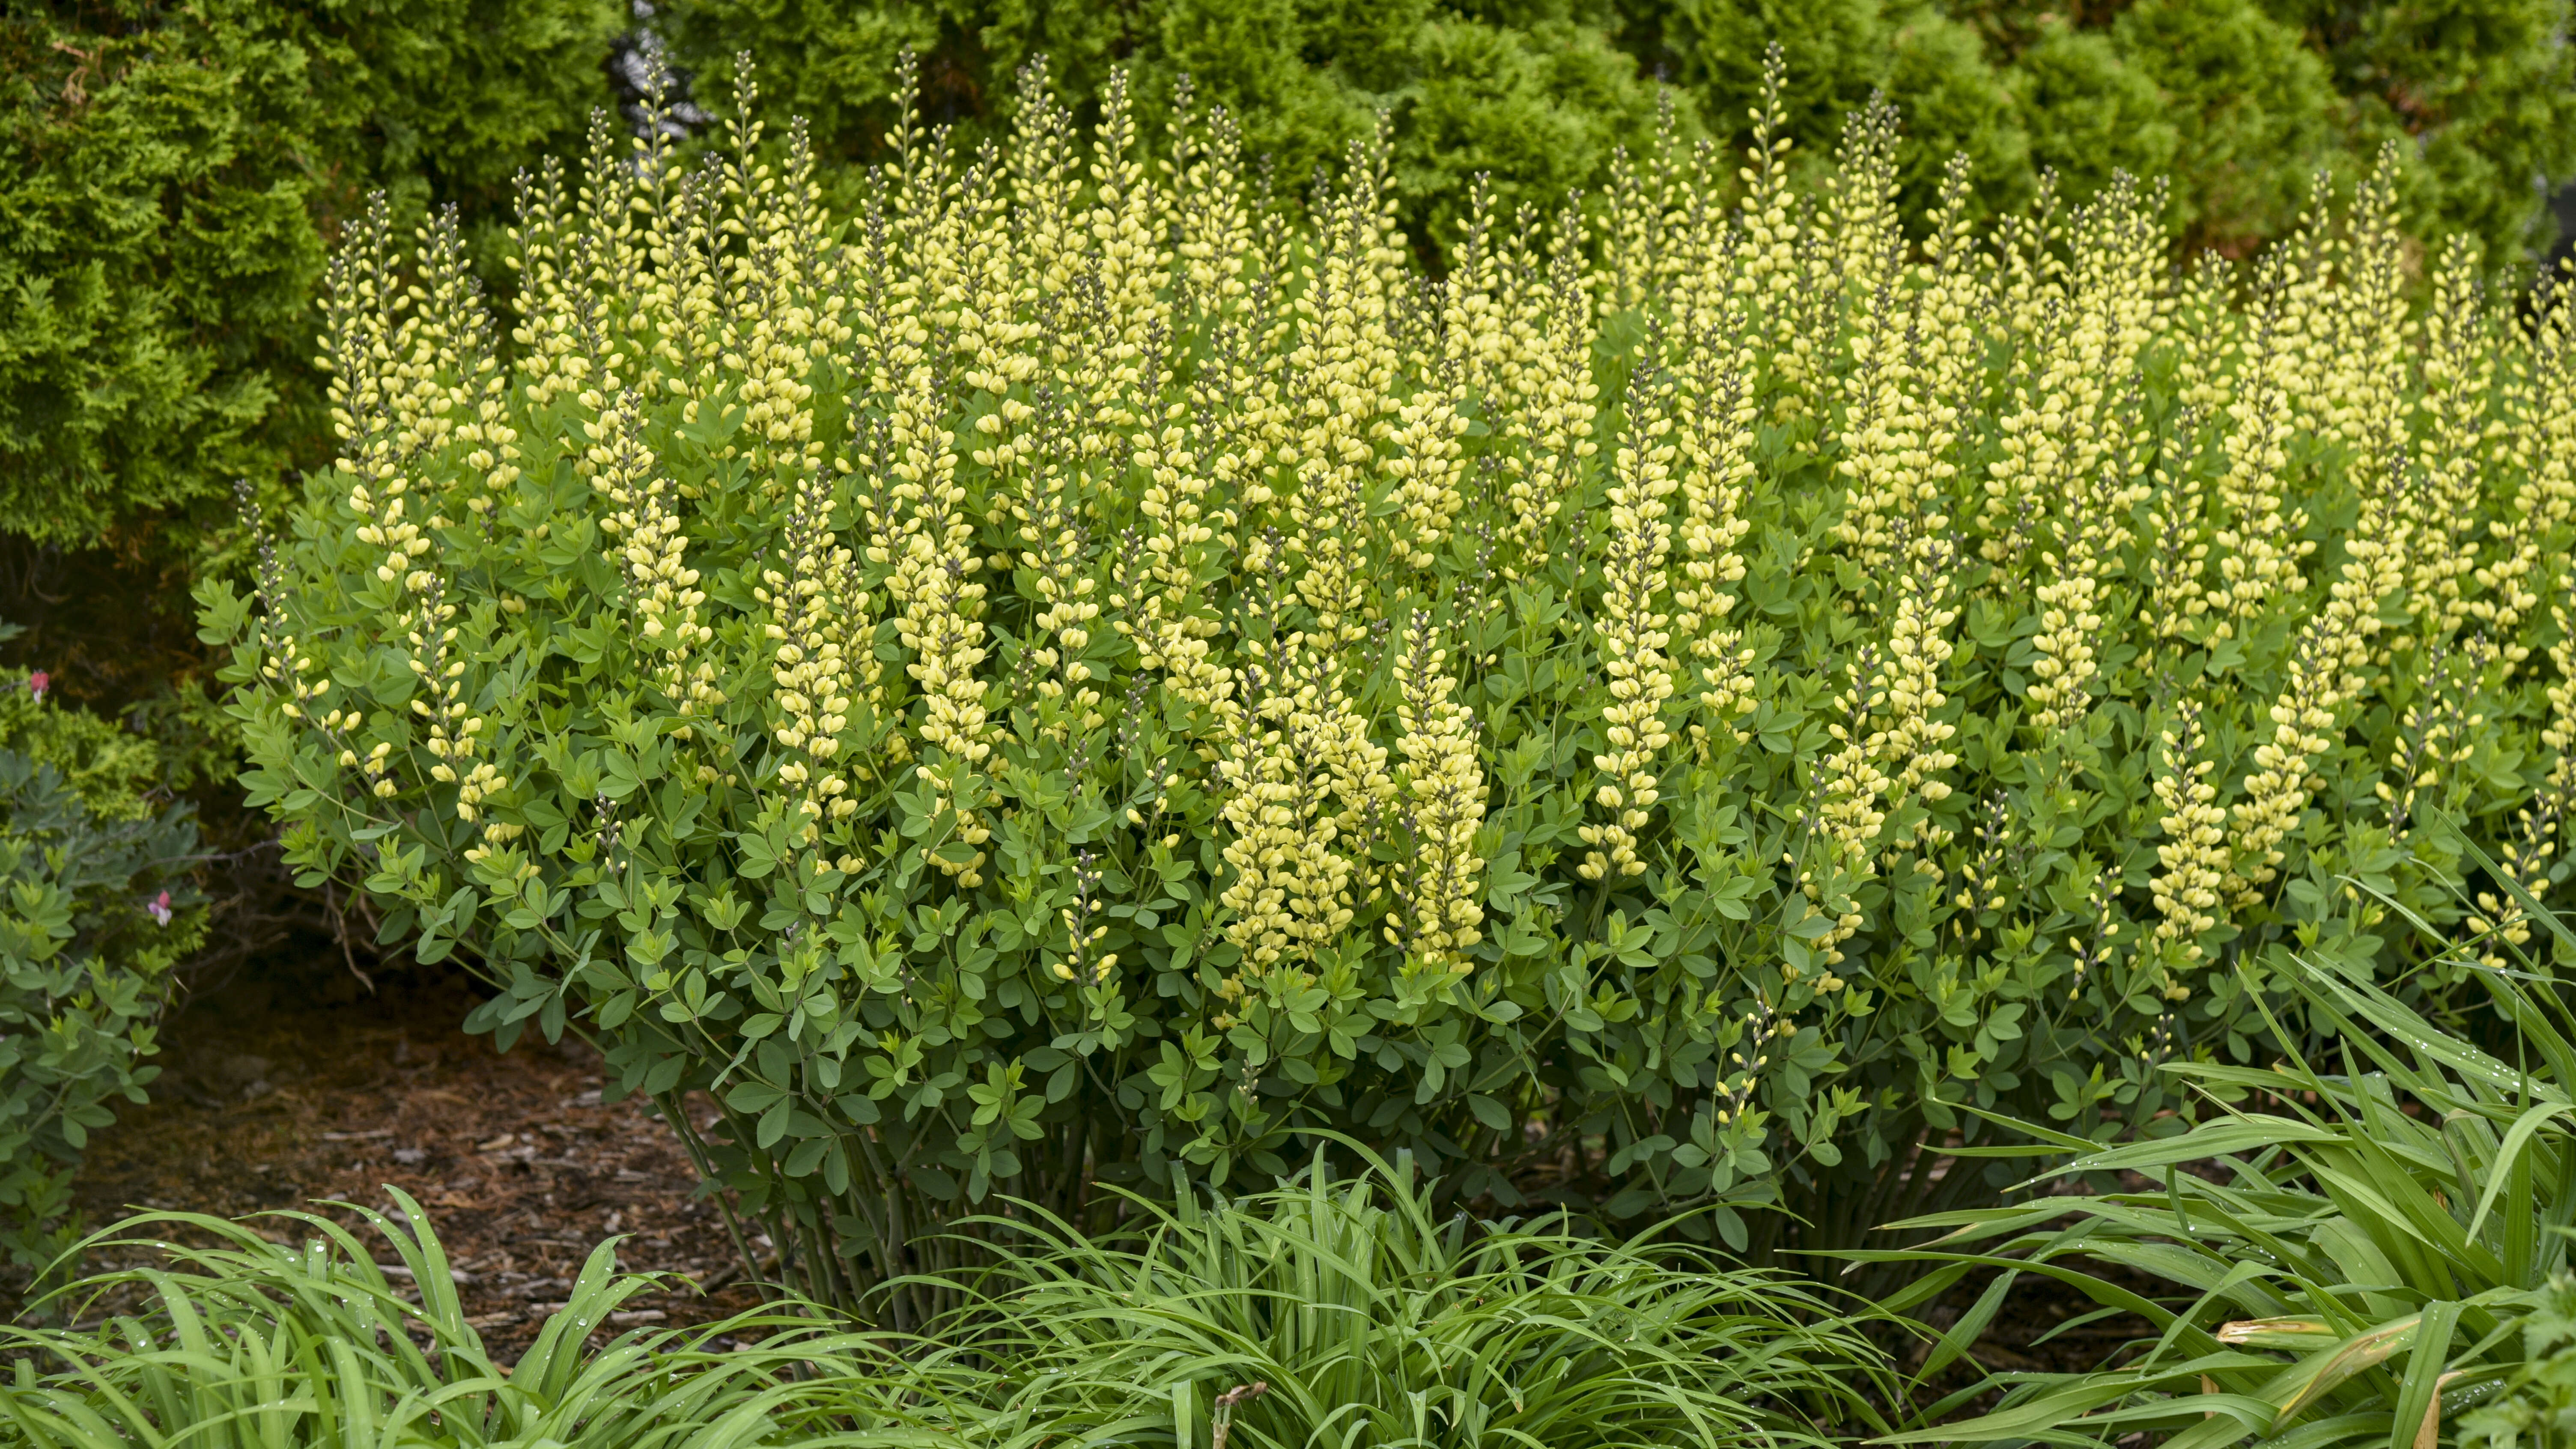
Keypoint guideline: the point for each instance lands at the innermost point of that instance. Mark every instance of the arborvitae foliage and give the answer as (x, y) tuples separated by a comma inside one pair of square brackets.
[(169, 177), (2240, 102), (155, 268), (2482, 87), (1533, 93), (2247, 97)]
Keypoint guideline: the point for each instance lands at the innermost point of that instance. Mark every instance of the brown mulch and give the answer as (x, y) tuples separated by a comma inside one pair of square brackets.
[(276, 1097)]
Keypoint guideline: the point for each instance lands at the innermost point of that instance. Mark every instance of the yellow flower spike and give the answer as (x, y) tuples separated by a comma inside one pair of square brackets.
[(1443, 803), (1631, 632), (1713, 444), (2195, 857)]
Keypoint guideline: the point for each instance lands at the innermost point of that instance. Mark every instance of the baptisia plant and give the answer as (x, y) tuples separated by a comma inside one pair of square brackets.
[(1070, 676), (955, 695)]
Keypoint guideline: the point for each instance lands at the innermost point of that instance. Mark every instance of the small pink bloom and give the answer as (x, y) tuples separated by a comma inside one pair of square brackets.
[(159, 907), (38, 683)]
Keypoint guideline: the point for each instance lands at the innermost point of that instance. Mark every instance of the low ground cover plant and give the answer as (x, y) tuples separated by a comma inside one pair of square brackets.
[(234, 1340), (1328, 1310), (1370, 1316), (97, 906), (2380, 1249), (1063, 677)]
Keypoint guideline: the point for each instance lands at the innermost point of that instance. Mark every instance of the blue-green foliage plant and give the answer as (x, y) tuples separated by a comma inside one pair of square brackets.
[(97, 906), (1073, 710), (1003, 706)]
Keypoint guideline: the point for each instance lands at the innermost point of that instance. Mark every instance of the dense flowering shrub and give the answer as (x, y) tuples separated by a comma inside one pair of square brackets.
[(96, 907), (1068, 677)]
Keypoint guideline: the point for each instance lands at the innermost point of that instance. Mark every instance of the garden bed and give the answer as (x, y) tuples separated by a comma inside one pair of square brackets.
[(268, 1101)]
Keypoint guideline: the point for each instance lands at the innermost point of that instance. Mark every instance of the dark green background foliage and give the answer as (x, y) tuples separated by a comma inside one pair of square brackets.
[(2243, 101), (1535, 92), (169, 179)]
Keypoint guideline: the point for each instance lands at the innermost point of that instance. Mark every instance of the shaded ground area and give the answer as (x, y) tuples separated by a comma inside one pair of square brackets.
[(272, 1096), (2043, 1327), (2046, 1327)]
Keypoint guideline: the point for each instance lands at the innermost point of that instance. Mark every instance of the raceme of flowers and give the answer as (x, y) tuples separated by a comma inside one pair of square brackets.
[(1077, 664)]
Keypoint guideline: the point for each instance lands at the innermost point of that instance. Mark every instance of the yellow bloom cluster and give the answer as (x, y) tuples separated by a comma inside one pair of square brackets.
[(823, 630), (2074, 440), (1633, 635), (1713, 445), (1549, 394), (2277, 790), (1851, 782), (2194, 856), (1340, 378), (650, 551), (1303, 786), (1444, 804), (1918, 649), (400, 388)]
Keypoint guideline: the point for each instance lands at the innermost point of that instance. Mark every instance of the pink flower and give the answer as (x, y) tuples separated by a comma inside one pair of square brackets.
[(38, 683), (159, 907)]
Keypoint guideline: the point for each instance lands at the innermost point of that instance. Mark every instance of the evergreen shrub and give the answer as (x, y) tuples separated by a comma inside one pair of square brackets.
[(1070, 677), (2240, 102), (1536, 97), (170, 175)]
